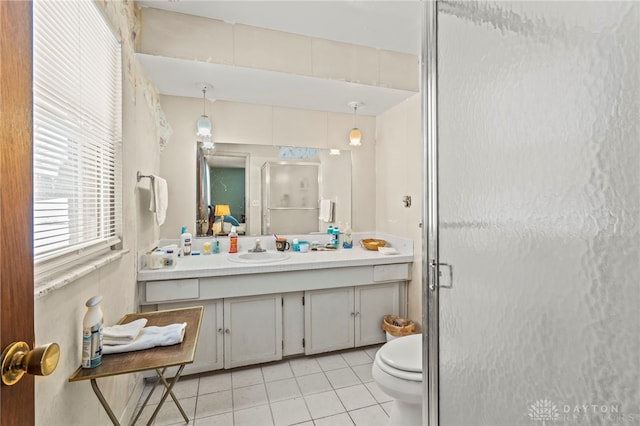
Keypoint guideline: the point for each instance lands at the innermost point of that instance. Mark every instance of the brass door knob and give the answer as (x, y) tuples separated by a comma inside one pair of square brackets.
[(18, 359)]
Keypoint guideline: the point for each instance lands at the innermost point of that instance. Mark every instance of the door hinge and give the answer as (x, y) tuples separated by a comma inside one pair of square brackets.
[(302, 300), (283, 345), (282, 301), (303, 342)]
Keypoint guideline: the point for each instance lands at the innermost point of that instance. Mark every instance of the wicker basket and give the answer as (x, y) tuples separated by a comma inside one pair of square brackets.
[(397, 326), (372, 243)]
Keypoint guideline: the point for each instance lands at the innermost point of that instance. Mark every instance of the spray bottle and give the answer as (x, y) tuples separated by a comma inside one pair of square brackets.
[(92, 334)]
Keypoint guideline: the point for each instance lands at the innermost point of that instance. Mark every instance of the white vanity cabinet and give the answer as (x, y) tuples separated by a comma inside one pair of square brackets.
[(236, 331), (340, 318), (273, 312)]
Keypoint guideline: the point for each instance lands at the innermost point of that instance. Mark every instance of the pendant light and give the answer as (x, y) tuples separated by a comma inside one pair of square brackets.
[(355, 136), (203, 125)]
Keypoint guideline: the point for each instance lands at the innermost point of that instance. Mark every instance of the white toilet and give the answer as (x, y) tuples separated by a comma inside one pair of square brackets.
[(397, 370)]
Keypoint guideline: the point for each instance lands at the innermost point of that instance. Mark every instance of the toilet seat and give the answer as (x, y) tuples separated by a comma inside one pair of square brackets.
[(402, 358)]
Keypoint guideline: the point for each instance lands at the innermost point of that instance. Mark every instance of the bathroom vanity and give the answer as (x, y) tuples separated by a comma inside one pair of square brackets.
[(307, 303)]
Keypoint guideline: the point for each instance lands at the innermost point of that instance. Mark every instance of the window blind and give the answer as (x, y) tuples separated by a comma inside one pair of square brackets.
[(77, 119)]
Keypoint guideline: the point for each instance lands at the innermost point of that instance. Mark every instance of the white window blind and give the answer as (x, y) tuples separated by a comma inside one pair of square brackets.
[(77, 119)]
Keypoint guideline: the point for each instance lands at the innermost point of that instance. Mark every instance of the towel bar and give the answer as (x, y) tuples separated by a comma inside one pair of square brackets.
[(139, 176)]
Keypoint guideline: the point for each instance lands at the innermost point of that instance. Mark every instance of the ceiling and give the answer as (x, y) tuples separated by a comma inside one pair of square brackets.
[(390, 25)]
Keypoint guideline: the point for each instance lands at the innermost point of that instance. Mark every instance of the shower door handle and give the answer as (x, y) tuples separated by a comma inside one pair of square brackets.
[(436, 275)]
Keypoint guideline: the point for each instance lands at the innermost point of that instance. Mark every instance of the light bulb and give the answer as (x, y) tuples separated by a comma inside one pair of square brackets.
[(355, 137)]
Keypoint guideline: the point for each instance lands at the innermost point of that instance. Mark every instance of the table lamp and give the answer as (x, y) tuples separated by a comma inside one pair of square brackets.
[(222, 210)]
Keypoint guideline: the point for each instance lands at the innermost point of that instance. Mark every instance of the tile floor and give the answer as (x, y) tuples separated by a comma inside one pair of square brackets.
[(325, 390)]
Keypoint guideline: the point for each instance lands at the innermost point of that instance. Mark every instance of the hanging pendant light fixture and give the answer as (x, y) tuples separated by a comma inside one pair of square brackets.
[(203, 125), (355, 136)]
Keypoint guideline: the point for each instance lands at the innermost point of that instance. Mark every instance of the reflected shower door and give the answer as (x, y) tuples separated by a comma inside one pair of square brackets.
[(539, 213)]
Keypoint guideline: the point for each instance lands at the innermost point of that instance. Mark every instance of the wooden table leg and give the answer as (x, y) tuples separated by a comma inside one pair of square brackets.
[(104, 402)]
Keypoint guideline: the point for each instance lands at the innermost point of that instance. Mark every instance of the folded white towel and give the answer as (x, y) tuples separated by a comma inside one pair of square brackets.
[(150, 337), (326, 210), (125, 333), (159, 198)]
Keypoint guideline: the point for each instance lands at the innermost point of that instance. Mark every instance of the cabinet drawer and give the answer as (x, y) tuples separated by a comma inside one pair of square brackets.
[(398, 271), (161, 291)]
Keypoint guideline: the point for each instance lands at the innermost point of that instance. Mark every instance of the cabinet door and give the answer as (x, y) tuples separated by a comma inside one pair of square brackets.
[(252, 330), (372, 303), (292, 323), (328, 320), (209, 351)]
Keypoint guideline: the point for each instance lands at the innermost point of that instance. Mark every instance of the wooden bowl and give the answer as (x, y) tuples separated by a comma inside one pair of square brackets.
[(372, 243)]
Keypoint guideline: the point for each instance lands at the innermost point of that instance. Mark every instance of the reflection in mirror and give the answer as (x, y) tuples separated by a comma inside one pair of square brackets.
[(295, 206), (222, 179)]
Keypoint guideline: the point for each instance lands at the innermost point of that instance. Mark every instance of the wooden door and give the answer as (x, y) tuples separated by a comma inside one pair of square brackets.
[(17, 406)]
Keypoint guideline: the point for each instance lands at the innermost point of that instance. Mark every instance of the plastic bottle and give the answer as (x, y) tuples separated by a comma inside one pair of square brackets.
[(185, 242), (92, 333), (233, 240), (348, 239)]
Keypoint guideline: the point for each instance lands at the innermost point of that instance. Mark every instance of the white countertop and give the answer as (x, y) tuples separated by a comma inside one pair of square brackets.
[(219, 264)]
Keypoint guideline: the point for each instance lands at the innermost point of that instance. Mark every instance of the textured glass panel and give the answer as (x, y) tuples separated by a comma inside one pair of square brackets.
[(539, 140)]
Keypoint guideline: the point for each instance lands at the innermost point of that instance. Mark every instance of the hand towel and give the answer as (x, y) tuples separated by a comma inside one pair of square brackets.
[(150, 337), (326, 210), (159, 198), (123, 332)]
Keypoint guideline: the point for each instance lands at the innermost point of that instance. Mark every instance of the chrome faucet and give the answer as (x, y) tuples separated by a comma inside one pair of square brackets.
[(257, 248)]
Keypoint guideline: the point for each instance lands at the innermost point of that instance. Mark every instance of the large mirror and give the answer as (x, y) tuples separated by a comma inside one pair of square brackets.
[(265, 190)]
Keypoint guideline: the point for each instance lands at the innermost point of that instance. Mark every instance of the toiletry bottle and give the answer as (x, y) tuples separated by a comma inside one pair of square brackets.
[(216, 246), (233, 240), (92, 334), (348, 239), (185, 242)]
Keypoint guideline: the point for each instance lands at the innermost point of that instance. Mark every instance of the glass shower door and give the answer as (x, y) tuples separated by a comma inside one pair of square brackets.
[(539, 212)]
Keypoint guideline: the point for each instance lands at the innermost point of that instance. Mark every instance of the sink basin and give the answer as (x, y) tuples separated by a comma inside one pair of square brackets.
[(261, 257)]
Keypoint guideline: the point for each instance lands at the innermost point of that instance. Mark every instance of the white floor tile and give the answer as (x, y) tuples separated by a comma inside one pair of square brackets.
[(356, 357), (354, 397), (377, 393), (282, 389), (212, 404), (248, 377), (331, 362), (277, 372), (371, 351), (249, 396), (214, 383), (324, 404), (387, 407), (341, 419), (304, 366), (370, 416), (363, 372), (225, 419), (290, 412), (313, 383), (342, 378), (254, 416)]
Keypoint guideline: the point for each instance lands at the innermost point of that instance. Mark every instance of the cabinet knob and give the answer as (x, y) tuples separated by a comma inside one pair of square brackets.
[(220, 330), (227, 331), (357, 313), (353, 314)]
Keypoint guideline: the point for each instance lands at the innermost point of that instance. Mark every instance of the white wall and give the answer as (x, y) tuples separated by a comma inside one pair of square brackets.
[(58, 314), (238, 123), (399, 172)]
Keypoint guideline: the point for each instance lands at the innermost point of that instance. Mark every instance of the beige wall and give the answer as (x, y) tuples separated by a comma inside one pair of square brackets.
[(265, 125), (58, 315), (399, 172)]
